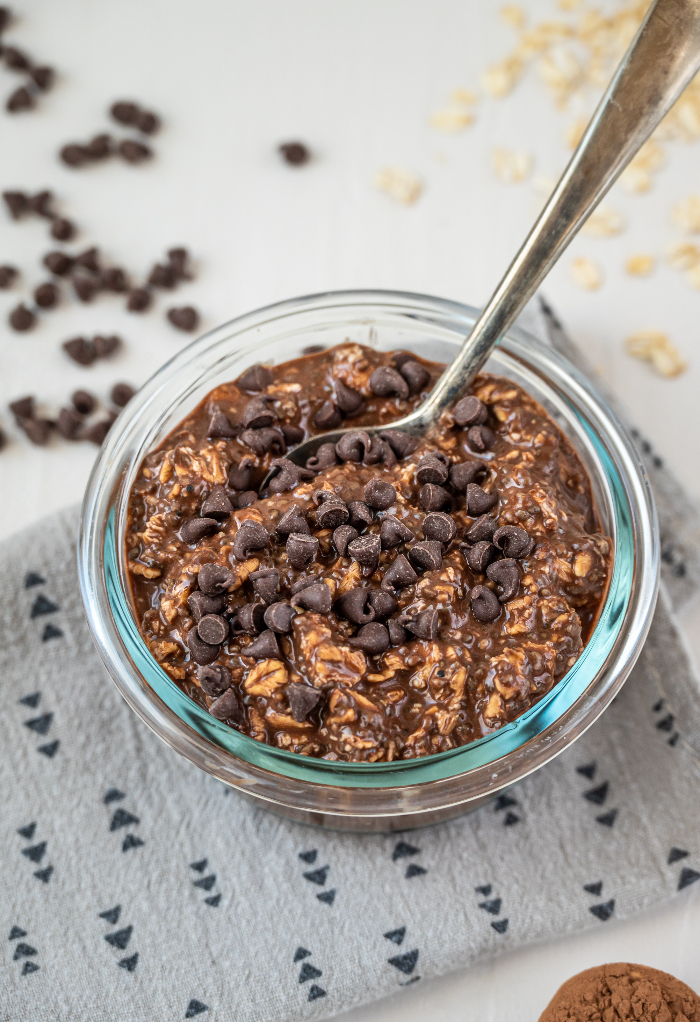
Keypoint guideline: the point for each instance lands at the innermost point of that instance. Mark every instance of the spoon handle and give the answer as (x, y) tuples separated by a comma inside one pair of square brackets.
[(661, 60)]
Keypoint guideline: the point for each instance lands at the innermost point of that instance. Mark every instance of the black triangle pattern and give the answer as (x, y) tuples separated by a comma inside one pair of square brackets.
[(596, 889), (675, 854), (504, 802), (33, 578), (604, 910), (500, 925), (315, 992), (44, 874), (301, 953), (120, 938), (688, 876), (122, 819), (131, 841), (510, 819), (50, 749), (328, 897), (587, 770), (23, 951), (113, 795), (51, 632), (35, 852), (16, 932), (43, 605), (213, 901), (396, 936), (414, 871), (195, 1008), (406, 962), (666, 723), (29, 967), (403, 849), (31, 700), (111, 915), (309, 857), (206, 883), (27, 831), (493, 906), (597, 795), (309, 971), (40, 725), (607, 819), (200, 865), (129, 963), (485, 889), (317, 876)]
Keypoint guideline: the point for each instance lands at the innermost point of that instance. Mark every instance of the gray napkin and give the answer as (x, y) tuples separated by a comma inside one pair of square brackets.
[(135, 887)]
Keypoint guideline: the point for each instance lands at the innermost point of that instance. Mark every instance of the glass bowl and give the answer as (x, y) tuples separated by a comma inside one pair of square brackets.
[(404, 793)]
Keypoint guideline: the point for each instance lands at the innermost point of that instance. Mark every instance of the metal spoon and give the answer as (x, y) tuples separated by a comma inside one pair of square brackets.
[(661, 60)]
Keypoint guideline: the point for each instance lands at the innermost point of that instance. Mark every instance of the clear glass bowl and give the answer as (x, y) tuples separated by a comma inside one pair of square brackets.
[(372, 796)]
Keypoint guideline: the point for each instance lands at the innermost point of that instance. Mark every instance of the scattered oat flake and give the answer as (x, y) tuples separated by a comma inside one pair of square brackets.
[(654, 347), (400, 184), (684, 255), (464, 96), (512, 15), (510, 166), (637, 177), (501, 78), (452, 119), (693, 276), (603, 223), (574, 132), (640, 265), (586, 274), (687, 214)]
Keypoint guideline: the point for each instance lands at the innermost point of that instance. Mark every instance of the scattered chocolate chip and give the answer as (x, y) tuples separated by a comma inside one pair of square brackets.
[(20, 99), (478, 501), (21, 318), (328, 416), (124, 112), (294, 153), (325, 457), (427, 555), (138, 299), (470, 411), (431, 470), (184, 318), (227, 707), (43, 77), (17, 203), (41, 203), (74, 155), (433, 498), (372, 638), (251, 536), (423, 625), (293, 521), (301, 549), (15, 59), (440, 526), (387, 382), (379, 494), (23, 407), (304, 583), (349, 401), (217, 505), (485, 606), (482, 529), (313, 349), (258, 414), (512, 541), (221, 428), (69, 423), (264, 647), (200, 604), (200, 651), (415, 375), (213, 629), (380, 451), (466, 472), (80, 350), (214, 579), (85, 287), (255, 379), (249, 618), (331, 513), (179, 259), (263, 440), (62, 229), (8, 275), (292, 434), (99, 147), (214, 680), (89, 260), (315, 597), (397, 633), (360, 514), (279, 617), (266, 584), (246, 498), (353, 606), (353, 446), (382, 603), (38, 430), (399, 574), (480, 555), (505, 574), (46, 295), (147, 122), (195, 529), (481, 438), (402, 444), (134, 152), (392, 532), (83, 402), (303, 699), (58, 263), (342, 536), (366, 550), (289, 475), (5, 18), (112, 278), (97, 432)]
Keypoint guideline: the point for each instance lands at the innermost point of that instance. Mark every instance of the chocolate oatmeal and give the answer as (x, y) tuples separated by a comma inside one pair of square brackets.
[(392, 599)]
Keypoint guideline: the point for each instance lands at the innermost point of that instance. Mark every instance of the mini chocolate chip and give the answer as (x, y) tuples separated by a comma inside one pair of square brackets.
[(106, 346), (15, 59), (23, 407), (200, 651), (121, 394), (266, 584), (328, 416), (349, 401), (89, 259), (392, 532), (214, 680), (5, 18), (379, 494), (505, 574), (431, 470), (41, 203), (478, 501), (279, 616), (240, 475), (99, 147), (17, 204), (124, 112), (399, 574), (213, 628), (220, 427), (331, 513), (46, 295), (316, 598), (402, 444), (415, 375), (217, 505), (264, 647), (293, 521), (397, 633), (480, 555), (485, 606), (342, 536), (423, 625), (372, 638), (250, 618), (301, 549), (360, 514), (481, 438), (353, 446), (162, 275), (353, 606), (178, 259), (62, 229), (294, 153), (482, 529), (512, 540), (69, 423), (21, 318), (138, 299), (288, 475), (440, 526), (147, 122), (58, 263), (263, 440), (20, 99), (380, 452), (8, 275), (185, 317), (83, 402), (258, 414), (304, 583), (215, 579), (85, 287), (387, 382), (382, 603), (427, 555), (470, 411), (466, 472), (366, 550), (134, 152), (80, 350), (200, 604), (302, 699), (227, 707), (292, 434), (255, 379), (433, 498), (250, 536), (97, 432), (325, 457), (74, 155), (43, 77), (114, 279), (37, 430)]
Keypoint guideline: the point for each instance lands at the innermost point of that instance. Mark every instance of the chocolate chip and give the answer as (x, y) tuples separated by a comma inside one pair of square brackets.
[(392, 532), (342, 536), (213, 628), (41, 203), (328, 416), (279, 616), (292, 521), (62, 229), (43, 77), (23, 407), (382, 603), (397, 633), (74, 155), (481, 438), (15, 59), (138, 299), (89, 260), (415, 375), (325, 457), (372, 638), (251, 536), (106, 346), (470, 411), (85, 287), (466, 472), (195, 529), (162, 275), (58, 263), (179, 259), (505, 574), (214, 579), (294, 153), (112, 278), (69, 423), (184, 318), (214, 680), (263, 440), (427, 555), (366, 550), (227, 707), (512, 540), (5, 18), (217, 505), (83, 402), (221, 428), (256, 378), (485, 606), (97, 432), (200, 604), (423, 625), (482, 529), (8, 275), (402, 444), (289, 475), (266, 584), (303, 699), (200, 651), (316, 598), (379, 494), (360, 514), (17, 204), (431, 470), (433, 498), (331, 513), (380, 451), (353, 606), (20, 99), (264, 647), (292, 434), (134, 152), (80, 350), (301, 549), (353, 446), (21, 318), (480, 555), (478, 501), (440, 526), (124, 112), (246, 498), (37, 430), (349, 401), (46, 296), (100, 146), (257, 414), (399, 574), (387, 382), (313, 349), (121, 393), (304, 583)]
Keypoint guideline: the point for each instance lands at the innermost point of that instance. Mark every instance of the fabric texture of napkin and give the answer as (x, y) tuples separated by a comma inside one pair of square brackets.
[(135, 887)]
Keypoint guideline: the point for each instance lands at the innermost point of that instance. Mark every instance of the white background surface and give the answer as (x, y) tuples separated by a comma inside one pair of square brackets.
[(356, 80)]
